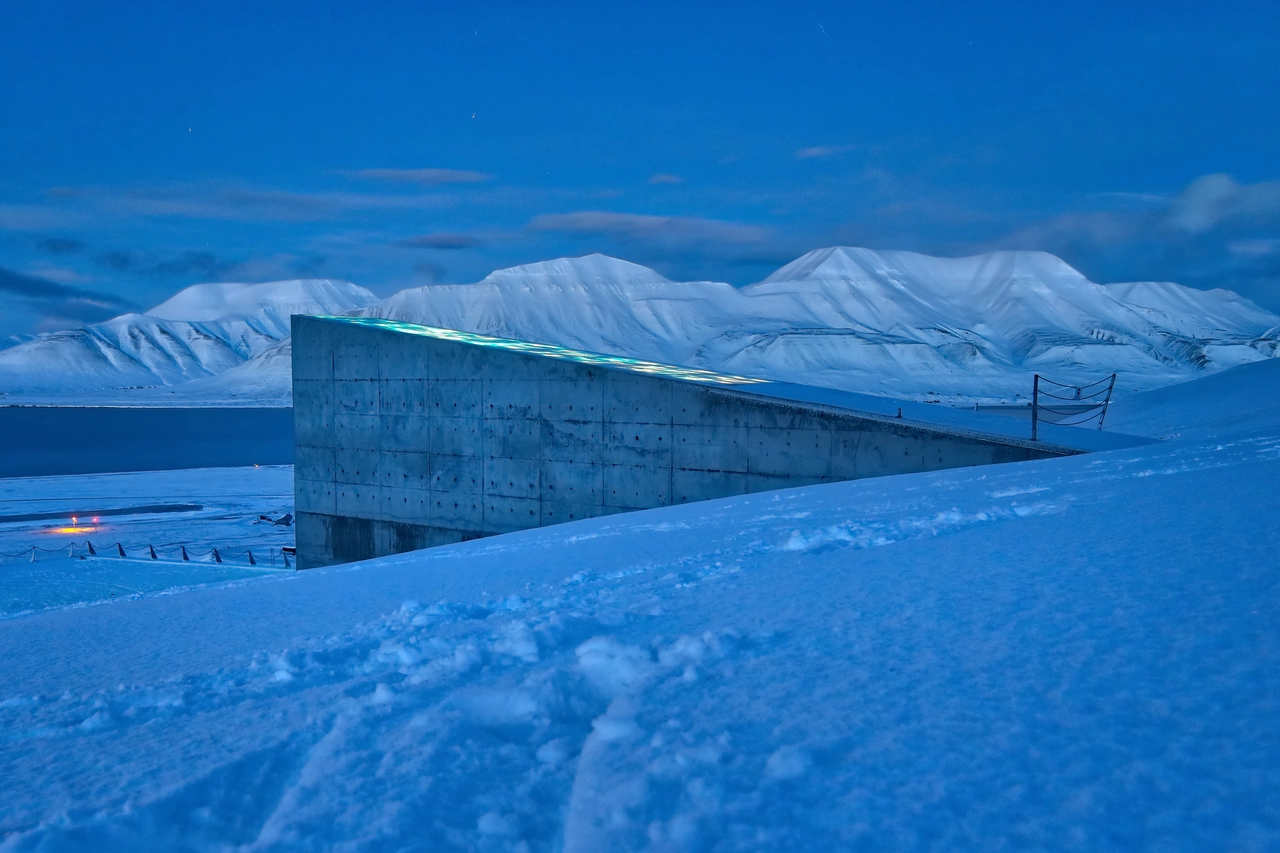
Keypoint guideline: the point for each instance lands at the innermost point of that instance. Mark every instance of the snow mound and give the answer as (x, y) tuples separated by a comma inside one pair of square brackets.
[(1236, 401)]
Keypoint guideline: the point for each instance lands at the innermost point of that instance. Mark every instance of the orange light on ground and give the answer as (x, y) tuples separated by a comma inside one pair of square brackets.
[(71, 530)]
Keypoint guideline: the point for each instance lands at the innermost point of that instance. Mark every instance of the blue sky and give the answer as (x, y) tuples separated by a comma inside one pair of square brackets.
[(148, 146)]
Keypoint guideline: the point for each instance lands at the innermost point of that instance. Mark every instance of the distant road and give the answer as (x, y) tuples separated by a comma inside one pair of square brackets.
[(46, 440)]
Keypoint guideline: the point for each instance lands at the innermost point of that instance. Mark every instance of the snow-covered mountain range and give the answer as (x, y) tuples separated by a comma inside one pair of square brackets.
[(960, 330), (202, 332), (894, 323)]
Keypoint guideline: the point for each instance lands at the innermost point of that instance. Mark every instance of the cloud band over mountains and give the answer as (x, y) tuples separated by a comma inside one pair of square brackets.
[(54, 299), (1215, 231)]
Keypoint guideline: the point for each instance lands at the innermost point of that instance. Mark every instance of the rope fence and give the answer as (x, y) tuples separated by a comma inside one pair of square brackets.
[(1074, 405), (269, 558)]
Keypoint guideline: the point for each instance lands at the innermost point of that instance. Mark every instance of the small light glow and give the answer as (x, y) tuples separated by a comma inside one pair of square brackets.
[(71, 530), (74, 521)]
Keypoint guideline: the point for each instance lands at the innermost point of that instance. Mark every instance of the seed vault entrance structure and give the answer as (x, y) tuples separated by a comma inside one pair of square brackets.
[(411, 436)]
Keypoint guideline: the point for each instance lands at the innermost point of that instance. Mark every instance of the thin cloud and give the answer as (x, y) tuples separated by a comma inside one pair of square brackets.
[(824, 151), (442, 240), (1209, 204), (233, 201), (202, 264), (58, 245), (680, 245), (665, 178), (115, 260), (39, 217), (277, 267), (53, 272), (644, 228), (1254, 248), (422, 177), (1212, 200), (54, 299), (1216, 232), (71, 313), (238, 202)]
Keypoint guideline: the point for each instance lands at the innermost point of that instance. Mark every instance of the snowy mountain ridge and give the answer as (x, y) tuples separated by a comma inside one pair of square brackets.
[(894, 323), (900, 324), (201, 332)]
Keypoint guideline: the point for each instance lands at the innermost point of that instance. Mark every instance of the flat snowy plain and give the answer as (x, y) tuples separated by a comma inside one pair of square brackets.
[(230, 501), (1079, 653)]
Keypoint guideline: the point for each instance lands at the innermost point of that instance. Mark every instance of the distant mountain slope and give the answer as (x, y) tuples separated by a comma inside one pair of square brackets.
[(901, 324), (1191, 312), (595, 302), (896, 323), (201, 332)]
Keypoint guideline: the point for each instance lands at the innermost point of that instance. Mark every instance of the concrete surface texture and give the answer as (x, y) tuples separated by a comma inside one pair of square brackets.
[(410, 437)]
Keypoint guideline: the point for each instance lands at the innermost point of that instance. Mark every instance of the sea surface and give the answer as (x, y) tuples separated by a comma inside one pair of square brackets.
[(37, 441)]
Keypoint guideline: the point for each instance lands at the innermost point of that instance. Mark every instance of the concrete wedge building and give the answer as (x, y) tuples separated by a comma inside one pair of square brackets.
[(409, 436)]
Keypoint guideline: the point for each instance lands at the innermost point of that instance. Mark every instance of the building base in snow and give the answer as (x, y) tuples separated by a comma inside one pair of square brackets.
[(410, 436)]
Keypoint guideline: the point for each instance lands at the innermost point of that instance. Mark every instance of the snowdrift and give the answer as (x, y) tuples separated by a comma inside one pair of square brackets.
[(1069, 654)]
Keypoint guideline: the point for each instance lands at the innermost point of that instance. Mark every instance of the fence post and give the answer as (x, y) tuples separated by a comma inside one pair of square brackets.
[(1035, 405), (120, 548), (1106, 404)]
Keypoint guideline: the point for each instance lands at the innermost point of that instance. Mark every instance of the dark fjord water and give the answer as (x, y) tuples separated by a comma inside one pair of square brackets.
[(46, 440)]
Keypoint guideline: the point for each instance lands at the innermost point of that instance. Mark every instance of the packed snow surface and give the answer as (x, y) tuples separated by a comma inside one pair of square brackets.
[(896, 324), (1077, 653), (226, 509), (1234, 402), (201, 332)]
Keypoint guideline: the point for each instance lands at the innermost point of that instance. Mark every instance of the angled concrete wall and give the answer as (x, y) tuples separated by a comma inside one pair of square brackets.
[(406, 442)]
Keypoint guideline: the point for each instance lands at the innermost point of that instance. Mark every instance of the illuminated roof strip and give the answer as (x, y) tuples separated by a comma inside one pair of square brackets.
[(635, 365)]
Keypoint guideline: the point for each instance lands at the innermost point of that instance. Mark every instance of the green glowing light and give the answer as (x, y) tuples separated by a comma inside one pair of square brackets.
[(635, 365)]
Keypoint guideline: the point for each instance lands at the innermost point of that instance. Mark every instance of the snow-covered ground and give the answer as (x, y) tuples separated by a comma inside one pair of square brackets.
[(1078, 653), (1243, 400), (230, 501), (896, 324)]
